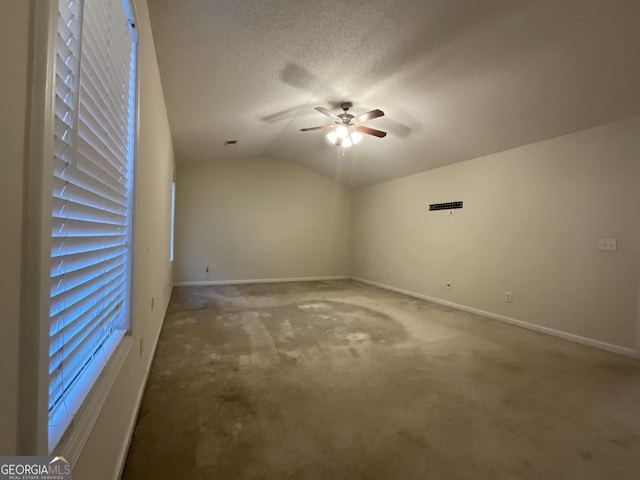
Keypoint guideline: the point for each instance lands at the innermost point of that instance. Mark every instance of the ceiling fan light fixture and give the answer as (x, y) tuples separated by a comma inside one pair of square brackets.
[(346, 129), (344, 137)]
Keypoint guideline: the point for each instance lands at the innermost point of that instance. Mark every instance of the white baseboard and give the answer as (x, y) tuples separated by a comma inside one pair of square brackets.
[(122, 456), (520, 323), (259, 280)]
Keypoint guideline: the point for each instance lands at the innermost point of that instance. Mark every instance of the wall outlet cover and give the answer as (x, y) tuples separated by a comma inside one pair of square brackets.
[(607, 245)]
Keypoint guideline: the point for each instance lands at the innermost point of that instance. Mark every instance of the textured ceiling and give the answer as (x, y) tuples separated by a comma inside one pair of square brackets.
[(457, 79)]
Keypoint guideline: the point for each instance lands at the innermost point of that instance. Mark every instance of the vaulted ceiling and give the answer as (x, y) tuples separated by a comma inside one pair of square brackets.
[(457, 79)]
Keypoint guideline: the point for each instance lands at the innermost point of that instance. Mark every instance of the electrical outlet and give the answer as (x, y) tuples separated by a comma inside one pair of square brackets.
[(508, 297), (607, 245)]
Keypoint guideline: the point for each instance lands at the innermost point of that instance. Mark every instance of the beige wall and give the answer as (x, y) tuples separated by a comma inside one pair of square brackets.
[(152, 270), (530, 225), (14, 55), (259, 218)]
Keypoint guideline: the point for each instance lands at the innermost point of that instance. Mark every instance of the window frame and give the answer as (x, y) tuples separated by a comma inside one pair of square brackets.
[(172, 240), (33, 396)]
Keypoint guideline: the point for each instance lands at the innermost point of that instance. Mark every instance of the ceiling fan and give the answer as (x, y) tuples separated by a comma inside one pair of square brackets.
[(347, 128)]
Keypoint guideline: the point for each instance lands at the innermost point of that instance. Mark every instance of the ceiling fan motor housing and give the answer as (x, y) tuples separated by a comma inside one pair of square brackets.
[(346, 117)]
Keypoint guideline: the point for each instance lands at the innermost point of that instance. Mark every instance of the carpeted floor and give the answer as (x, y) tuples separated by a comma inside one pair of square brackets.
[(339, 380)]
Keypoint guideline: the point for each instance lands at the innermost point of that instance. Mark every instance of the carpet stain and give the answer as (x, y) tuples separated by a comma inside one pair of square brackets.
[(414, 438), (339, 380), (623, 369), (585, 455)]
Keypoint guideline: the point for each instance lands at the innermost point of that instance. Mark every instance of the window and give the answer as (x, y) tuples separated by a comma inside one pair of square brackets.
[(173, 216), (92, 198)]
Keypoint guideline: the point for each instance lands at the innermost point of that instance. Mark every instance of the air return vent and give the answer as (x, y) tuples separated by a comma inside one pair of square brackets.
[(445, 206)]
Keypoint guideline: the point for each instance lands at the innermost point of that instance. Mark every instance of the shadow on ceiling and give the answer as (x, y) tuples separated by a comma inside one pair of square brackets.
[(300, 78)]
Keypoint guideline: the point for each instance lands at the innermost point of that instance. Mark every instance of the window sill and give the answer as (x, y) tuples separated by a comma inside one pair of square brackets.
[(74, 439)]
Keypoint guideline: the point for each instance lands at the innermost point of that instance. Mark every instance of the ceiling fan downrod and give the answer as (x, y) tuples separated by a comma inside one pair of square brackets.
[(346, 117)]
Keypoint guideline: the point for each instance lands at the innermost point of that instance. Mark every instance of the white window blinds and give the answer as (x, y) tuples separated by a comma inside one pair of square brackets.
[(92, 192)]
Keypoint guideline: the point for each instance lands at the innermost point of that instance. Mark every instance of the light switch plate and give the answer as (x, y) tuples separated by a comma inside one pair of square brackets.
[(607, 245)]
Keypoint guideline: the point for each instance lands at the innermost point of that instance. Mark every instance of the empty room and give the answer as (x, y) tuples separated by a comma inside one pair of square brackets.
[(320, 240)]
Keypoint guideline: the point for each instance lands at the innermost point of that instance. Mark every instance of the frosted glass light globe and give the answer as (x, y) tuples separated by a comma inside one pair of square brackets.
[(342, 131)]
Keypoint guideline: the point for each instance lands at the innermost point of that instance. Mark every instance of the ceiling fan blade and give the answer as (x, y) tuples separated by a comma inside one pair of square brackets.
[(332, 116), (363, 117), (316, 128), (371, 131)]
